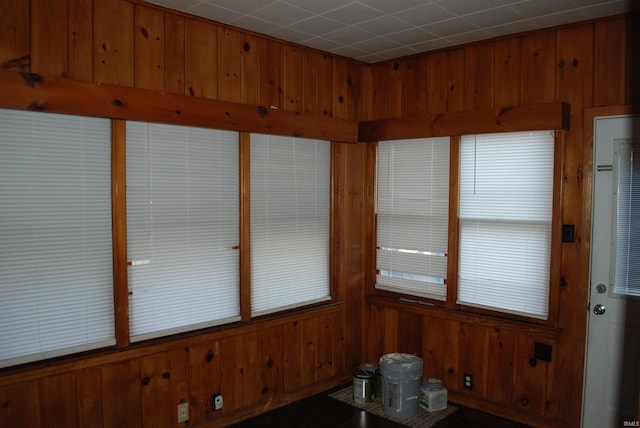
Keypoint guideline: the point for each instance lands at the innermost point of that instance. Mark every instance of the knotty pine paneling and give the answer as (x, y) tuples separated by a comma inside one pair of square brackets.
[(293, 77), (113, 43), (79, 39), (121, 394), (15, 35), (271, 352), (149, 48), (501, 363), (49, 37), (610, 49), (201, 58), (537, 59), (89, 397), (270, 72), (58, 397), (20, 405), (479, 76), (232, 370), (230, 47), (174, 43), (507, 69)]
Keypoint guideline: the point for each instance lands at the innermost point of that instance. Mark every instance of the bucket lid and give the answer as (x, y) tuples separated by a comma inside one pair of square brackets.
[(432, 384), (399, 361)]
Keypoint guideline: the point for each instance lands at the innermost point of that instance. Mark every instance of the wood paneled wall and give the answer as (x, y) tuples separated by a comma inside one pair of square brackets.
[(262, 364), (585, 65)]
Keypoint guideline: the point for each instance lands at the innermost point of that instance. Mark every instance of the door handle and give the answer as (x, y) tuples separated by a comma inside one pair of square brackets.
[(599, 309)]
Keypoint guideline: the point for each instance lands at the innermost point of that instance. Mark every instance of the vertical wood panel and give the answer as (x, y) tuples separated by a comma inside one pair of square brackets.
[(500, 373), (311, 77), (58, 399), (507, 86), (20, 405), (610, 49), (538, 69), (89, 395), (474, 355), (308, 350), (49, 37), (339, 89), (409, 333), (338, 347), (379, 91), (479, 74), (270, 73), (232, 386), (455, 73), (451, 361), (229, 65), (437, 87), (205, 378), (325, 81), (529, 381), (179, 363), (432, 347), (293, 80), (15, 29), (250, 60), (414, 89), (374, 330), (158, 410), (575, 85), (251, 348), (271, 355), (113, 42), (353, 90), (121, 395), (390, 322), (80, 39), (149, 72), (292, 355), (325, 347), (200, 58), (174, 53), (395, 71)]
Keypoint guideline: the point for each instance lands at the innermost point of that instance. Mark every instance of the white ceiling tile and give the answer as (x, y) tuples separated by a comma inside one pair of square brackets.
[(317, 25), (240, 6), (432, 44), (376, 44), (463, 7), (424, 14), (410, 36), (393, 6), (348, 35), (353, 14), (534, 8), (281, 14), (322, 44), (472, 36), (512, 28), (492, 17), (253, 24), (318, 6), (607, 9), (383, 25), (554, 19), (176, 4), (290, 34), (450, 27), (214, 13)]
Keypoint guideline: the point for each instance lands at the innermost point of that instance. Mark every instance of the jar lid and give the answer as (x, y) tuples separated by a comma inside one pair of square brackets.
[(432, 384)]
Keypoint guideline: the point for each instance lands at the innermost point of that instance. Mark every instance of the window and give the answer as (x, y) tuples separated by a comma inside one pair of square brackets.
[(290, 208), (182, 228), (627, 209), (505, 207), (413, 214), (56, 278)]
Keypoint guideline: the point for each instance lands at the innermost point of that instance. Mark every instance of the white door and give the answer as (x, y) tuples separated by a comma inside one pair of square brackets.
[(612, 373)]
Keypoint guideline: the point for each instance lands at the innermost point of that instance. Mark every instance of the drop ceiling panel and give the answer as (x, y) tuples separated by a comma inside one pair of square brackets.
[(377, 30)]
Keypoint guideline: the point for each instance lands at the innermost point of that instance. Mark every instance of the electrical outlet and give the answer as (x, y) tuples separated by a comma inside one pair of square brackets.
[(216, 401), (468, 381), (183, 412)]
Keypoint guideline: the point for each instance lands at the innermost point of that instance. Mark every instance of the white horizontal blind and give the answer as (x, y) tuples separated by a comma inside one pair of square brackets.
[(506, 195), (290, 206), (56, 279), (627, 168), (182, 228), (413, 215)]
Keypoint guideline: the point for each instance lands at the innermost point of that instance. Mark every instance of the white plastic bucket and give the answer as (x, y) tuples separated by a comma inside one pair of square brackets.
[(401, 380)]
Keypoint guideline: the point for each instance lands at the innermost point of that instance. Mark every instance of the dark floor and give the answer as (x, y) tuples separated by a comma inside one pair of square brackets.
[(321, 411)]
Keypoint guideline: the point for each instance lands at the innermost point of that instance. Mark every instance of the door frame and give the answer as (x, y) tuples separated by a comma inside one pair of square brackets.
[(587, 206)]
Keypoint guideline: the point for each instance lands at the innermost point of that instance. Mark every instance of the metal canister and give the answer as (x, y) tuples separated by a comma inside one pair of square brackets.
[(362, 387), (376, 379)]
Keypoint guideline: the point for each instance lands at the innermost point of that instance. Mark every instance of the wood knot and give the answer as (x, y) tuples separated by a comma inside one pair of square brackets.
[(270, 363), (209, 357), (116, 102), (31, 78), (34, 106), (340, 99), (574, 62), (246, 47), (145, 381), (524, 401), (396, 66), (262, 111), (561, 63), (144, 32), (166, 375)]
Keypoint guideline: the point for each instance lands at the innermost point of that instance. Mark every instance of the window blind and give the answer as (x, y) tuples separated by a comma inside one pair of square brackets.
[(182, 228), (56, 279), (506, 195), (627, 246), (290, 207), (413, 215)]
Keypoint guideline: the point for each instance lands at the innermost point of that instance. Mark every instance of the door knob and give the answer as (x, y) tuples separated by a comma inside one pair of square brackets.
[(601, 288), (599, 309)]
